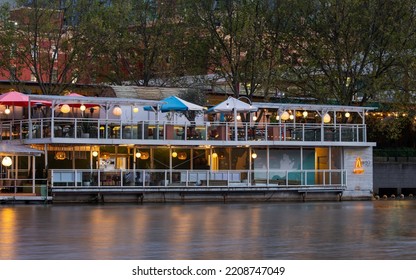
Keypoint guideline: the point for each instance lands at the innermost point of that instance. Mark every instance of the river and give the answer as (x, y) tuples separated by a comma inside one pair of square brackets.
[(372, 230)]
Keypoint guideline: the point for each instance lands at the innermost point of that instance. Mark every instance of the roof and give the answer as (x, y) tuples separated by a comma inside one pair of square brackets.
[(313, 107), (59, 99), (9, 148), (151, 93)]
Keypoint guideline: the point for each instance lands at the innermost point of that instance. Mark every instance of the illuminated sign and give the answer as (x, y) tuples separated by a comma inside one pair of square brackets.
[(358, 166)]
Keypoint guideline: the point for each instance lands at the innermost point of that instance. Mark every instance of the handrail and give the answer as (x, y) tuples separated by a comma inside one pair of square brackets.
[(81, 128), (146, 178)]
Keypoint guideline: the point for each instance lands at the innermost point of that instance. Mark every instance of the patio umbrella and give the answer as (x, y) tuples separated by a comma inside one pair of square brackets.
[(77, 102), (175, 104), (15, 98), (232, 105)]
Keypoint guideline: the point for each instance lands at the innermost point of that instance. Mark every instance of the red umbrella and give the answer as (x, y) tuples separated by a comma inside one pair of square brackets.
[(74, 94), (78, 101), (15, 98)]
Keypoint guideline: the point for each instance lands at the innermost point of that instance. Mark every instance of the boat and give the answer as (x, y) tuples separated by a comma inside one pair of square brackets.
[(89, 149)]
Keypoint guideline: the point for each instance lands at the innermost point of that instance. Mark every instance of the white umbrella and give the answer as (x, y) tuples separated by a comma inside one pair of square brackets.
[(233, 105)]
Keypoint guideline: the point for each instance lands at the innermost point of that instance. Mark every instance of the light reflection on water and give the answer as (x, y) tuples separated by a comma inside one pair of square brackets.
[(327, 230)]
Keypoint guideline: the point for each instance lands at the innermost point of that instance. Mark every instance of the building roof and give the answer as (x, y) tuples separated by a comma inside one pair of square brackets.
[(313, 107), (150, 93)]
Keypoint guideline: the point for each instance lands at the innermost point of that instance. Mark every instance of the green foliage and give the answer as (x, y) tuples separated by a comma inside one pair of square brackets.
[(347, 52), (349, 49), (392, 131), (242, 50)]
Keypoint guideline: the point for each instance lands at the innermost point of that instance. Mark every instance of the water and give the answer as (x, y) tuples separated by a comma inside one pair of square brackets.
[(300, 231)]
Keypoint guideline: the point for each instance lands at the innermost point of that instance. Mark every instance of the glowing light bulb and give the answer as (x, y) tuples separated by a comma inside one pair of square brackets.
[(285, 116), (327, 118), (7, 161), (65, 108), (117, 111)]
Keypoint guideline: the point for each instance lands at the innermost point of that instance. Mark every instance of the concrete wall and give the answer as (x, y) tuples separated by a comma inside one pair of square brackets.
[(394, 177)]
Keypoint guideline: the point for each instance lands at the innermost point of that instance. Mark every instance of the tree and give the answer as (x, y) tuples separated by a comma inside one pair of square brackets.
[(138, 40), (241, 51), (7, 67), (45, 37), (106, 33), (346, 50)]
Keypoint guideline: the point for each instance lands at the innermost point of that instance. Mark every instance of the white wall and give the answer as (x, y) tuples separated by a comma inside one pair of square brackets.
[(359, 185)]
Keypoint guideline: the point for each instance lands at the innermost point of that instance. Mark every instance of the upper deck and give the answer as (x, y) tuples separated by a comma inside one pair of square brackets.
[(89, 131), (304, 125)]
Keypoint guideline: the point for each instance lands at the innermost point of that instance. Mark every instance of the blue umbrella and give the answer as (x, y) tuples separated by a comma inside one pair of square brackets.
[(173, 103)]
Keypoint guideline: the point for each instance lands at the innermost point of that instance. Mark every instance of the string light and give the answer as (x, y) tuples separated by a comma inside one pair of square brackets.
[(327, 118), (65, 108), (117, 111), (7, 161), (285, 116)]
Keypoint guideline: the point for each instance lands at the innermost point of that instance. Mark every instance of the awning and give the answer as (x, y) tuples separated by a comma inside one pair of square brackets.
[(11, 149)]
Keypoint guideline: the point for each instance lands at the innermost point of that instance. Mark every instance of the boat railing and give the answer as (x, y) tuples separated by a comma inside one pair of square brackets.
[(81, 128), (10, 186), (146, 178)]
